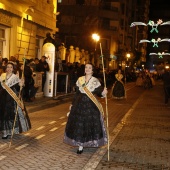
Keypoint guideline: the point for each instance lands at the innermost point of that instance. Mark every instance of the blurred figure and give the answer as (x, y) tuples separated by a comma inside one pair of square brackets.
[(28, 81), (82, 57), (44, 67), (71, 54), (152, 80), (37, 65), (49, 39), (118, 89), (77, 55), (59, 66), (4, 63), (0, 60), (166, 83), (139, 80), (147, 82)]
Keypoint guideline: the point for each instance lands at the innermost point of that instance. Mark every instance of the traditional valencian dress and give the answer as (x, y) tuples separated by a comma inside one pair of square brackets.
[(9, 105), (118, 89), (139, 80), (85, 126)]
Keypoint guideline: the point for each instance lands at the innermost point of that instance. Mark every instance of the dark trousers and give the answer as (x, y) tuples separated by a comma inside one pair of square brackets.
[(43, 81), (33, 91)]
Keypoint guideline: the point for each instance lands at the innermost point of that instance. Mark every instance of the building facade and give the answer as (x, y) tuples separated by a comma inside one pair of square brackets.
[(24, 25), (111, 20)]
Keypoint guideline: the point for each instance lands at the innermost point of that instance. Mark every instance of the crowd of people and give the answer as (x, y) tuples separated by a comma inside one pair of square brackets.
[(145, 80), (26, 70), (85, 127)]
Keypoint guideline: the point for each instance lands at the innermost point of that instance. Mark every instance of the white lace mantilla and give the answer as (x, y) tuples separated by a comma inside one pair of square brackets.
[(91, 85), (14, 79)]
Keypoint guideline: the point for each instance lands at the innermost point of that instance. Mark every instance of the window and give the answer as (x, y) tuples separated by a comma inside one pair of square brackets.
[(2, 39)]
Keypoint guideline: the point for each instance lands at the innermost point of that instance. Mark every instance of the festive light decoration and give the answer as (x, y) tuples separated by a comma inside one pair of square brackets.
[(152, 24), (154, 41), (160, 54)]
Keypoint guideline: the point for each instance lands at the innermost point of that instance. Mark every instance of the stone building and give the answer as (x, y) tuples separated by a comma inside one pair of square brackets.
[(79, 19), (24, 25)]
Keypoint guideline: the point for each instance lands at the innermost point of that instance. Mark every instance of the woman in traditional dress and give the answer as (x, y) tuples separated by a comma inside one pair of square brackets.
[(11, 105), (118, 89), (152, 80), (139, 80), (85, 126)]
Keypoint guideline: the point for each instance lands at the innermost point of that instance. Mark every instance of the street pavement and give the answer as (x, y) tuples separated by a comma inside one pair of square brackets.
[(143, 135), (139, 136)]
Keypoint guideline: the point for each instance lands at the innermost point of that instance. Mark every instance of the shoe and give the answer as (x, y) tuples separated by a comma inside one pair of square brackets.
[(79, 151), (5, 137)]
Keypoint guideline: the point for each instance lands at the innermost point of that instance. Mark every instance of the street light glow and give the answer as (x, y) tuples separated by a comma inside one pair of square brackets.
[(128, 55), (96, 37)]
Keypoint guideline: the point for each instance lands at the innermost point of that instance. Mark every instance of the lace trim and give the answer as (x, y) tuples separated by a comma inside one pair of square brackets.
[(14, 79), (91, 85)]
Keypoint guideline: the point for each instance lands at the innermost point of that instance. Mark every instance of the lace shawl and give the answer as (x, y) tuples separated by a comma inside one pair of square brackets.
[(91, 85), (14, 79)]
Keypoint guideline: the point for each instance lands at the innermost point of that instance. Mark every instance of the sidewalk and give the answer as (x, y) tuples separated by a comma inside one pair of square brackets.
[(142, 139), (43, 102)]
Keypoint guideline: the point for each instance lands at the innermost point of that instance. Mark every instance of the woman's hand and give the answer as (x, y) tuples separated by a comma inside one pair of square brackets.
[(68, 113), (70, 107), (21, 82), (104, 92)]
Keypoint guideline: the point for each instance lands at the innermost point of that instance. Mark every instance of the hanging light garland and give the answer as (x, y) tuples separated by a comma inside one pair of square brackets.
[(152, 24), (160, 54), (154, 41)]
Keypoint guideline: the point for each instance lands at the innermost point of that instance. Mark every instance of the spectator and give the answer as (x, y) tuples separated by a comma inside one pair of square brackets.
[(29, 81), (166, 82), (4, 63), (37, 65), (44, 67)]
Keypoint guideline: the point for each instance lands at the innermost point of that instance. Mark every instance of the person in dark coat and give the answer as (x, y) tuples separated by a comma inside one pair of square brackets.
[(166, 83), (37, 65), (28, 81), (44, 67)]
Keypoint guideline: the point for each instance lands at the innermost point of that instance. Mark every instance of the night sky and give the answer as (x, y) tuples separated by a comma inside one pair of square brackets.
[(159, 9)]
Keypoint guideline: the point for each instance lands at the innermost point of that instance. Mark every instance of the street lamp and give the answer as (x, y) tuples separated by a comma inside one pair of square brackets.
[(96, 38), (127, 58)]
